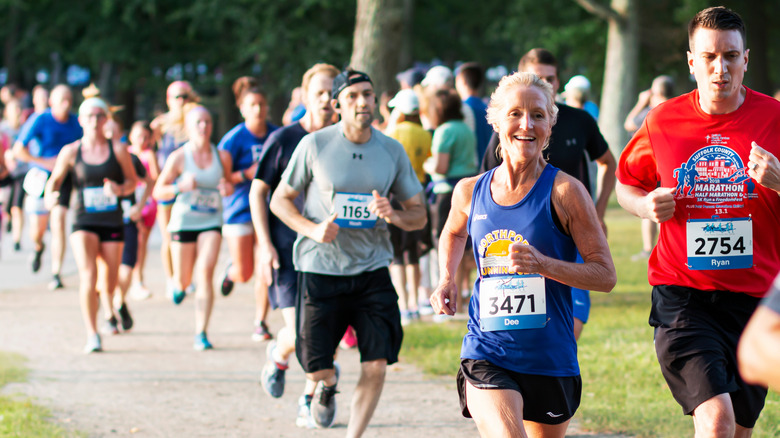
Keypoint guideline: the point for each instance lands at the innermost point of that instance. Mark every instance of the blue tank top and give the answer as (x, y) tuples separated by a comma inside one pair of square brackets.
[(547, 347)]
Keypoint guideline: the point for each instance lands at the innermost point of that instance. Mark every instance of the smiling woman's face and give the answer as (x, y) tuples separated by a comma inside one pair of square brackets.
[(525, 124)]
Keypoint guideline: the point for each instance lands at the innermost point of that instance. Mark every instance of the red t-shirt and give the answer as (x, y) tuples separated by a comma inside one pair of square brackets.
[(721, 214)]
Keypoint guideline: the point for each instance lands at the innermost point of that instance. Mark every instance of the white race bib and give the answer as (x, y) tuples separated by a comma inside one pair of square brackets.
[(204, 201), (512, 302), (139, 193), (352, 210), (720, 243), (96, 200), (35, 182)]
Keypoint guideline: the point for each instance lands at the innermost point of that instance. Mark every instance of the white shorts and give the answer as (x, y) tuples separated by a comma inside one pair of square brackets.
[(35, 206), (237, 230)]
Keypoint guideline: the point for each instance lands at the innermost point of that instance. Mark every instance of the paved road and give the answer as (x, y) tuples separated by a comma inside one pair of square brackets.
[(150, 382)]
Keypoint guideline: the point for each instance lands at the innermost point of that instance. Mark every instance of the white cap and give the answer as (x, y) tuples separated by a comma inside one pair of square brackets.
[(578, 82), (405, 101), (93, 102), (438, 76)]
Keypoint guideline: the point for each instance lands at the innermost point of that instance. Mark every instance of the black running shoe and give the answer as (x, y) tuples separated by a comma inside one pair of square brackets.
[(36, 261), (124, 317), (110, 327), (56, 282), (227, 283), (17, 246)]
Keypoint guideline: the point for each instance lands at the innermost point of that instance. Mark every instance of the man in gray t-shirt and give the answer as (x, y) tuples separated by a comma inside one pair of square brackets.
[(759, 346), (347, 172)]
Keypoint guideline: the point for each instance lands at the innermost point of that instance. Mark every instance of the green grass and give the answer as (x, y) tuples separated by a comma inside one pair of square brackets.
[(623, 389), (18, 416)]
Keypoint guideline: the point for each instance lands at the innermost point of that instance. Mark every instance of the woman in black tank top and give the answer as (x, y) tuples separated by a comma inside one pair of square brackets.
[(103, 172)]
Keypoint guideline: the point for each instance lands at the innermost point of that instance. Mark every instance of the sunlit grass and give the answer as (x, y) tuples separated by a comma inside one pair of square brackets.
[(19, 417)]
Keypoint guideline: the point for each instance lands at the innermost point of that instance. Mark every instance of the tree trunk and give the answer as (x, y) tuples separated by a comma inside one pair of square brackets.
[(377, 41), (406, 57), (10, 44), (620, 74)]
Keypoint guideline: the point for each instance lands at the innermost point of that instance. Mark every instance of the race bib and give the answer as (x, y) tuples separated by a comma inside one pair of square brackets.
[(720, 243), (126, 206), (204, 201), (96, 200), (35, 182), (512, 302), (352, 210)]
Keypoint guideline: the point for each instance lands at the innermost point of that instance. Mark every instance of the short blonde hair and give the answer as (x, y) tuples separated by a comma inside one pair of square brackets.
[(498, 99), (328, 69)]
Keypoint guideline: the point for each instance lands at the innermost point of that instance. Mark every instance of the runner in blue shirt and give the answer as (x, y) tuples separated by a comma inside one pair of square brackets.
[(39, 146), (245, 143)]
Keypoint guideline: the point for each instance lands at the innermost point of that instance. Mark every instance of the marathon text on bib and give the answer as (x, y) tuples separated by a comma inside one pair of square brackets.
[(35, 182), (352, 210), (204, 201), (97, 201), (720, 243), (512, 302)]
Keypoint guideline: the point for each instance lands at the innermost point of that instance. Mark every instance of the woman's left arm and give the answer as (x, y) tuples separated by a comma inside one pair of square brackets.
[(578, 216)]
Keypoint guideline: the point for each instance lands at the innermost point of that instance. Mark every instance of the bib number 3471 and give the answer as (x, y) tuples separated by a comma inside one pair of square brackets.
[(512, 302), (720, 243)]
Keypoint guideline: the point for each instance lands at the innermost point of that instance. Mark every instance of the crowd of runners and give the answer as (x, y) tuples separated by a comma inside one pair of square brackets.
[(354, 226)]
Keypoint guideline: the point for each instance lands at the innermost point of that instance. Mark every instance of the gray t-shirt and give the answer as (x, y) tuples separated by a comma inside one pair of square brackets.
[(324, 164), (772, 299)]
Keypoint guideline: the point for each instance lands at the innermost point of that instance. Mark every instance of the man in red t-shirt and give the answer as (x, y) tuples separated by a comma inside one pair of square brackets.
[(704, 166)]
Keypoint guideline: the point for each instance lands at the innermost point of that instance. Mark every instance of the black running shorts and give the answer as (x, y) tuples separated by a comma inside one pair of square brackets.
[(105, 234), (696, 336), (327, 304), (546, 399)]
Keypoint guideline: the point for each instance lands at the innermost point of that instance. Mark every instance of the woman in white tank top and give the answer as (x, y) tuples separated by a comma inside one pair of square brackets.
[(197, 176)]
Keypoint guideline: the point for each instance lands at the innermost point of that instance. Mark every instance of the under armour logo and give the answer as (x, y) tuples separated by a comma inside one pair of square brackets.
[(357, 156)]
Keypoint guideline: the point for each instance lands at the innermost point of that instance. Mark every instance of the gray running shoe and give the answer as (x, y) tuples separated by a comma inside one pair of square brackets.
[(304, 419), (272, 378), (323, 407)]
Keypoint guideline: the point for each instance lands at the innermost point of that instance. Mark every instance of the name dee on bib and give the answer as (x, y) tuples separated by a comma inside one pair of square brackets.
[(512, 302), (352, 210)]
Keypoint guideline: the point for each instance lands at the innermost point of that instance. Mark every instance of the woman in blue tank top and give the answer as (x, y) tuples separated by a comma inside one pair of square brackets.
[(519, 374), (245, 143), (197, 177), (102, 173)]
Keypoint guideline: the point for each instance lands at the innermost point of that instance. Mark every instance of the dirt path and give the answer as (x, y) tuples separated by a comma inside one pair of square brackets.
[(151, 383)]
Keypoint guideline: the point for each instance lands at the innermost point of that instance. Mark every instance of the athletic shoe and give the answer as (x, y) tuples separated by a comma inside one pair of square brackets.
[(36, 261), (349, 340), (169, 288), (415, 315), (202, 342), (139, 292), (56, 282), (227, 284), (124, 317), (272, 377), (323, 406), (406, 317), (425, 307), (641, 255), (304, 419), (93, 344), (261, 332), (17, 246), (441, 318), (178, 296), (190, 289), (110, 327)]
